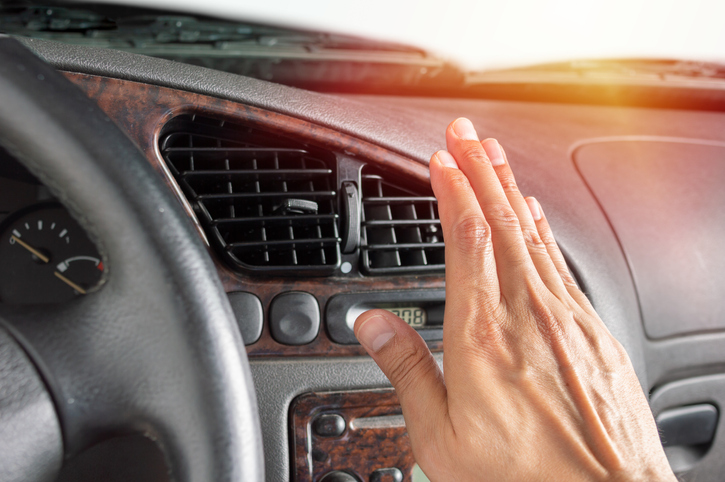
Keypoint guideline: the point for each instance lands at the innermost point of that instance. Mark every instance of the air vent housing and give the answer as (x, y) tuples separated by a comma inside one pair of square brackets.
[(267, 204), (401, 228)]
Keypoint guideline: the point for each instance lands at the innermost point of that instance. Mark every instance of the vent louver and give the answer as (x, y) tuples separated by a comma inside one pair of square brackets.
[(401, 229), (268, 204)]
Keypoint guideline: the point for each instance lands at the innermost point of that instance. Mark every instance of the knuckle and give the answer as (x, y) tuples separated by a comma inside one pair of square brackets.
[(408, 366), (508, 183), (533, 240), (458, 182), (605, 344), (471, 233), (489, 333), (473, 152), (486, 321), (553, 249), (502, 216), (547, 238), (551, 326), (567, 278)]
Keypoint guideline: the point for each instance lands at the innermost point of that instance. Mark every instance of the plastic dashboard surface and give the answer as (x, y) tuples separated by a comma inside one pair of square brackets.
[(539, 139), (664, 199)]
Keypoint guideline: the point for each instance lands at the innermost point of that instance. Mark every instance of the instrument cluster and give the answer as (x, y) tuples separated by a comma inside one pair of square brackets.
[(45, 255)]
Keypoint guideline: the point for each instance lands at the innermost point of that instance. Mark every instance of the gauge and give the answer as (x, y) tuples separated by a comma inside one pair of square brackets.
[(46, 257)]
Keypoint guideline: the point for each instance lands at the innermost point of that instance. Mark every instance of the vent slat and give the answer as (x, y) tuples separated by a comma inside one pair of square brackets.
[(275, 219), (238, 150), (253, 195), (393, 246), (400, 222), (402, 269), (289, 173), (289, 242), (400, 200), (401, 228), (268, 204)]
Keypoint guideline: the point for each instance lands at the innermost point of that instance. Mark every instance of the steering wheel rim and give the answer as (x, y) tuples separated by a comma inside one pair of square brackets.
[(156, 349)]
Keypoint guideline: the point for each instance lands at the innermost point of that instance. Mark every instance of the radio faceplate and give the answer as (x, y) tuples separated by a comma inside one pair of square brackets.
[(421, 309)]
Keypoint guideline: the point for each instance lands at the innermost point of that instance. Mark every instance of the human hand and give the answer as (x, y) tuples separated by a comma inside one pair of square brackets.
[(534, 386)]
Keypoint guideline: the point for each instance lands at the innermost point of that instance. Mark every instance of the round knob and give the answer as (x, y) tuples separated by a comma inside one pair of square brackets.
[(329, 425), (339, 476)]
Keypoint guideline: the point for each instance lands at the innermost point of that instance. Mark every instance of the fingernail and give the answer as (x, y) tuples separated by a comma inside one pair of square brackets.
[(375, 332), (534, 208), (494, 152), (465, 130), (447, 159)]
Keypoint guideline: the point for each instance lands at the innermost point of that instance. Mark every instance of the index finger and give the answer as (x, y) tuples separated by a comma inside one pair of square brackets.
[(516, 270), (471, 281)]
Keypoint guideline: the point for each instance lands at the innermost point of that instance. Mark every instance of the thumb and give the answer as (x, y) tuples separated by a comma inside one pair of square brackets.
[(405, 359)]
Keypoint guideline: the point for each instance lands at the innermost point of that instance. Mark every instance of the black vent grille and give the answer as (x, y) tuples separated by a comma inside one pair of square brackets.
[(267, 204), (401, 228)]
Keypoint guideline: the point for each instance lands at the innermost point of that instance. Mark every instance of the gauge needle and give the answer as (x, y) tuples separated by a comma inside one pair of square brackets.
[(25, 245), (45, 259), (69, 283)]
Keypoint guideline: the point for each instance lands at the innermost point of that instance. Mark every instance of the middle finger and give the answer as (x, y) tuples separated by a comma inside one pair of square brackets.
[(535, 245)]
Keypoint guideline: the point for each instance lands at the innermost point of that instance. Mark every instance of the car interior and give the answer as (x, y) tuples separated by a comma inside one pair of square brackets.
[(184, 251)]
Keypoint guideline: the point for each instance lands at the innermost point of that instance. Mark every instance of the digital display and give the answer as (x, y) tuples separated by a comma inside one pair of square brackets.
[(422, 310), (415, 316)]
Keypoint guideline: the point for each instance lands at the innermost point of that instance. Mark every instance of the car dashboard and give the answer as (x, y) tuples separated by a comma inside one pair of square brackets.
[(315, 207)]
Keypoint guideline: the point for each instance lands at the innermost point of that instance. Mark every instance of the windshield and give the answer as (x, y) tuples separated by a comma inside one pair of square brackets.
[(302, 58), (398, 46), (495, 34)]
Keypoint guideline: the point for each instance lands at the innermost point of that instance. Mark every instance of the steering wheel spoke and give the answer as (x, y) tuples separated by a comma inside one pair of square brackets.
[(94, 356)]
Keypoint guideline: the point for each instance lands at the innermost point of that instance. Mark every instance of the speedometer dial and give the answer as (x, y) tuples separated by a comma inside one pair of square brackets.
[(46, 257)]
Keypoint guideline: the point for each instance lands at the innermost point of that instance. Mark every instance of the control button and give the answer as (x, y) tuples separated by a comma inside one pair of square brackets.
[(294, 318), (339, 476), (249, 314), (329, 425), (391, 474)]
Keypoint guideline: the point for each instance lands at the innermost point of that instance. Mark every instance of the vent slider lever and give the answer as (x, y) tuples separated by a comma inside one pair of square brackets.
[(297, 206), (351, 210)]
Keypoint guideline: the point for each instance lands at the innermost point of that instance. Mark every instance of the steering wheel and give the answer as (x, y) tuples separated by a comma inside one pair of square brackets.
[(156, 349)]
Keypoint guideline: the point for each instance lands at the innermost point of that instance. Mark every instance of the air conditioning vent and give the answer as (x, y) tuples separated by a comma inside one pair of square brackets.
[(267, 204), (401, 229)]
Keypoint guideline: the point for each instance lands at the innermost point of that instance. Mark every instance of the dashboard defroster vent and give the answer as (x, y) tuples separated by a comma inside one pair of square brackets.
[(267, 204), (401, 228)]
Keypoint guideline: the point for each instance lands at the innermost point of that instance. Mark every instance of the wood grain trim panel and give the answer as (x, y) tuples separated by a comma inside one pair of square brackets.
[(143, 109), (358, 450)]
